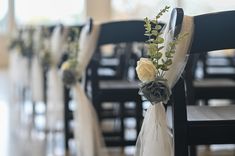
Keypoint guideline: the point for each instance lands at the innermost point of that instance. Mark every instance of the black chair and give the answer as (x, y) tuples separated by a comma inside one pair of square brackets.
[(203, 125), (117, 89)]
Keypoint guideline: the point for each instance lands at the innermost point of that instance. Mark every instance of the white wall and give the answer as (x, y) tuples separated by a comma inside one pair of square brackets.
[(99, 10), (4, 54), (3, 51)]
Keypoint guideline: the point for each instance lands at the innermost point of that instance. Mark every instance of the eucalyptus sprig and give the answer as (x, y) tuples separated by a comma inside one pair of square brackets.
[(70, 73), (155, 44), (73, 43)]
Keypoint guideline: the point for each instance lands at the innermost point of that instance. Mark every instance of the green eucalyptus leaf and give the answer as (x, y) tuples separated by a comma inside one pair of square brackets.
[(155, 44), (168, 54), (147, 34), (158, 55), (154, 21), (152, 47), (168, 62), (160, 48), (155, 32), (164, 68), (158, 27), (159, 66), (160, 40)]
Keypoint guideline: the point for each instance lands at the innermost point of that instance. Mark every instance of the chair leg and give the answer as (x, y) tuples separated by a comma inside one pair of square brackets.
[(181, 149), (139, 114), (67, 119), (122, 108), (193, 150)]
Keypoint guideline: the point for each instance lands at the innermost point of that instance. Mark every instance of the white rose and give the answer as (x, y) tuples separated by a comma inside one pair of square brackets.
[(146, 70)]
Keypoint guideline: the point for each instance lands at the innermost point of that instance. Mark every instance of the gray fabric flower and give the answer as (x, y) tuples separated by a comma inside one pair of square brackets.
[(156, 91), (69, 77)]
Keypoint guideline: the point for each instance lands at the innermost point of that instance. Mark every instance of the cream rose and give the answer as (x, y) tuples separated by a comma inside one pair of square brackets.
[(145, 69), (65, 65)]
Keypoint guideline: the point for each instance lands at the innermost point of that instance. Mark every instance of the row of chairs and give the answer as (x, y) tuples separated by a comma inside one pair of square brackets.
[(111, 81), (115, 96)]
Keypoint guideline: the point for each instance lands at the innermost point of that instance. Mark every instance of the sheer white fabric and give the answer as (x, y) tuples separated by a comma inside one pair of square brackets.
[(87, 130), (37, 80), (57, 44), (55, 101), (19, 69), (155, 138), (36, 77), (15, 66)]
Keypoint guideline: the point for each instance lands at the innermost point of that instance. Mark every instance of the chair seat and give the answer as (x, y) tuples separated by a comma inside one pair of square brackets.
[(208, 113), (123, 90), (217, 124), (109, 62), (221, 70), (203, 114), (214, 88), (221, 61), (119, 84), (210, 82), (112, 114)]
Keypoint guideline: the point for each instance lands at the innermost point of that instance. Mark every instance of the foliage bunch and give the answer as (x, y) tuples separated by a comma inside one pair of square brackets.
[(155, 44), (70, 73), (73, 47)]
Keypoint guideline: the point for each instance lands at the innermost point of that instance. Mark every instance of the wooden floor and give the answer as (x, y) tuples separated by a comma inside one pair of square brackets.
[(18, 139)]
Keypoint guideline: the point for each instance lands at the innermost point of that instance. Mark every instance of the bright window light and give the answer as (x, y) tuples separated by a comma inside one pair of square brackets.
[(129, 9), (3, 8), (49, 11)]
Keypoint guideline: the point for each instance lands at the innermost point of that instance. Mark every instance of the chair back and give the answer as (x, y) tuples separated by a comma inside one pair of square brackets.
[(122, 34), (214, 31)]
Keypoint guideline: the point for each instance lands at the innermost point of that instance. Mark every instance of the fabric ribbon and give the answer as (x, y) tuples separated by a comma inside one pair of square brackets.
[(88, 135), (37, 80), (55, 101)]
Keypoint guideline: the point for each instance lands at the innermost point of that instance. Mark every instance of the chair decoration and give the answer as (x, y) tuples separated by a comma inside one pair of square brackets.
[(37, 68), (88, 135), (21, 52), (44, 47), (55, 92), (158, 74)]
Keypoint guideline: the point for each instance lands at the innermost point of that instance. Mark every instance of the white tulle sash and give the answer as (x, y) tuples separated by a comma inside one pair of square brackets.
[(37, 80), (88, 134), (55, 99)]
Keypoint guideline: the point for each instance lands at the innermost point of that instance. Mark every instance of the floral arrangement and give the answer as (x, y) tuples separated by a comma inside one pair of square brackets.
[(16, 41), (23, 42), (151, 70), (69, 68), (45, 54), (44, 46)]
